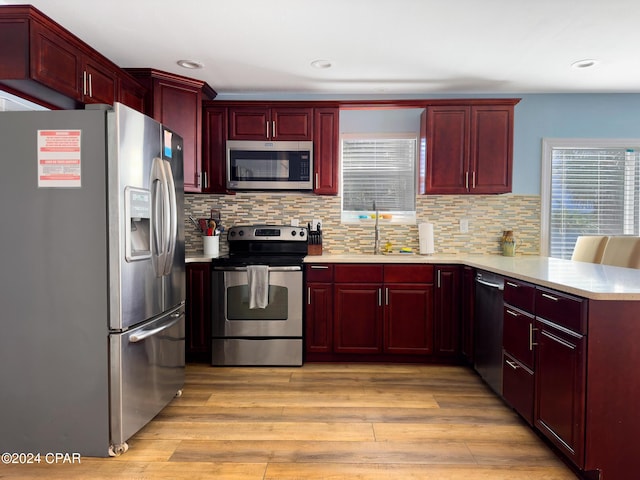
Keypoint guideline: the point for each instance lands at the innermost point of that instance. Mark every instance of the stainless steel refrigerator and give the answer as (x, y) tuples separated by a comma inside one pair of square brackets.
[(92, 278)]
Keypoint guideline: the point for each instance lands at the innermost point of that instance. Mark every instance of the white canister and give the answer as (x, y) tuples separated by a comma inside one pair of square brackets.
[(211, 245)]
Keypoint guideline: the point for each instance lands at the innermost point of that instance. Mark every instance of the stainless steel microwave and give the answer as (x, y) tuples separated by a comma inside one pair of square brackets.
[(261, 165)]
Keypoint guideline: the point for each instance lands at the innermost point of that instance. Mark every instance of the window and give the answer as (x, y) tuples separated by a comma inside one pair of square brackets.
[(380, 169), (590, 187)]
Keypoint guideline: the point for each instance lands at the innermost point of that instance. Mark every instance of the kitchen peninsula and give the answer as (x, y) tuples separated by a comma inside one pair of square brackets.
[(593, 281), (584, 332)]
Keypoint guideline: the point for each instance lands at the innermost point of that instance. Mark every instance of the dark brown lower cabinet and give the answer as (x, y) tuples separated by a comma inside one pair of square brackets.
[(518, 377), (518, 387), (560, 388), (447, 311), (408, 323), (318, 329), (468, 313), (369, 312), (358, 318), (198, 313)]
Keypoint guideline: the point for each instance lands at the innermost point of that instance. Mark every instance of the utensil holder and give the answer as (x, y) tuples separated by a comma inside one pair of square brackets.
[(211, 245)]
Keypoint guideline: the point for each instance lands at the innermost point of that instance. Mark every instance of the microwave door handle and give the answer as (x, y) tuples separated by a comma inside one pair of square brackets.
[(172, 226)]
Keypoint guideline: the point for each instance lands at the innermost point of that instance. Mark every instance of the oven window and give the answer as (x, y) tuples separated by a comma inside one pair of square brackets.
[(238, 304)]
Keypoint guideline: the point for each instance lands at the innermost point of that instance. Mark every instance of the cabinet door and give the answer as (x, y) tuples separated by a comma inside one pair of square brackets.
[(408, 318), (517, 335), (176, 101), (447, 133), (213, 178), (131, 93), (55, 62), (249, 123), (518, 387), (560, 388), (291, 124), (14, 48), (178, 107), (357, 318), (447, 311), (198, 312), (491, 155), (468, 310), (520, 294), (319, 318), (326, 151), (100, 83)]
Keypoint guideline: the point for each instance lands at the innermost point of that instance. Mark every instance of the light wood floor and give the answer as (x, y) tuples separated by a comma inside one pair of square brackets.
[(365, 422)]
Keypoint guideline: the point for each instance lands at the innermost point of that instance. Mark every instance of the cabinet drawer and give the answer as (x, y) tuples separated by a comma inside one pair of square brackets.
[(565, 310), (319, 273), (358, 273), (517, 335), (518, 387), (408, 273), (520, 294)]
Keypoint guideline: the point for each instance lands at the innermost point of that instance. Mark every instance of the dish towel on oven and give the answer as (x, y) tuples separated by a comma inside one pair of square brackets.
[(258, 285)]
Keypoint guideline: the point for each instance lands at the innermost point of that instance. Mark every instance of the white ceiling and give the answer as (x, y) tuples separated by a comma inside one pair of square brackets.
[(376, 47)]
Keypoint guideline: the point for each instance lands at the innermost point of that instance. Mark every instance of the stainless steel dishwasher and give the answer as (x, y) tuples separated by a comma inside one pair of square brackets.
[(488, 328)]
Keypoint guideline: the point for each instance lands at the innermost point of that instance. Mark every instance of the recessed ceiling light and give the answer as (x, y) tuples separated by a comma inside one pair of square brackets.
[(321, 64), (190, 64), (586, 63)]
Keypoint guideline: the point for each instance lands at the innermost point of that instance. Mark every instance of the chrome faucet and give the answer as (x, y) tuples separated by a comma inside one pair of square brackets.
[(376, 242)]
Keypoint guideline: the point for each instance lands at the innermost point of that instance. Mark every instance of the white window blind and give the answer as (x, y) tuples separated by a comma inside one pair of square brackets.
[(380, 170), (594, 191)]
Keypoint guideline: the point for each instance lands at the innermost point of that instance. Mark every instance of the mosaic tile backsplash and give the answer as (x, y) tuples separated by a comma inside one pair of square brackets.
[(488, 216)]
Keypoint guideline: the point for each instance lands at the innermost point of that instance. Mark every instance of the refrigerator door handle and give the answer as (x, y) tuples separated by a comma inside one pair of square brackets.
[(138, 337), (172, 227), (160, 215)]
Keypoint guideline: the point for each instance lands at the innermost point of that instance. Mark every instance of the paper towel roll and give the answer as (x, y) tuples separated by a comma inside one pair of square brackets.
[(425, 233)]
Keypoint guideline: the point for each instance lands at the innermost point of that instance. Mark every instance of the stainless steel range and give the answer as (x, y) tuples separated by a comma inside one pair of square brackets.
[(257, 297)]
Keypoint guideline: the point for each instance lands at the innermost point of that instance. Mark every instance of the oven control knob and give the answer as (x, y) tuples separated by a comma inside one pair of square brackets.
[(302, 233), (232, 233), (241, 233), (293, 232)]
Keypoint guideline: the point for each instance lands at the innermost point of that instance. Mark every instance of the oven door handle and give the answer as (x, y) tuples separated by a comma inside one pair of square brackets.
[(291, 268)]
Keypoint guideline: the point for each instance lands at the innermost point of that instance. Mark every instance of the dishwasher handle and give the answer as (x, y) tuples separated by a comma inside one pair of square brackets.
[(490, 284)]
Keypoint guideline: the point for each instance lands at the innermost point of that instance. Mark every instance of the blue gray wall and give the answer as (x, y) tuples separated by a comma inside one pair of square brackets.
[(567, 116)]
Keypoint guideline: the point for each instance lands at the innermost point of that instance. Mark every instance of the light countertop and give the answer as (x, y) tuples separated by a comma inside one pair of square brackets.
[(588, 280)]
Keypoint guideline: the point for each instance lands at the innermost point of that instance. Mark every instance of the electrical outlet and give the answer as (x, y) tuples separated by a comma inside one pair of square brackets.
[(464, 225), (295, 222), (315, 223)]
